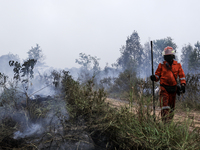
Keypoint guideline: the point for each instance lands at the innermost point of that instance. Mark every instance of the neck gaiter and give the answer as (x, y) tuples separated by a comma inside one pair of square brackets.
[(169, 59)]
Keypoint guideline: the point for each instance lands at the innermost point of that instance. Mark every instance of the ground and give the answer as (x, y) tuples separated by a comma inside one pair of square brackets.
[(179, 115)]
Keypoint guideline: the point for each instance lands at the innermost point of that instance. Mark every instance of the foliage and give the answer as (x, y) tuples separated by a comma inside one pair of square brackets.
[(137, 58), (191, 97), (128, 84), (56, 75), (110, 128), (90, 67), (88, 62), (82, 99), (126, 128), (26, 69), (125, 81), (131, 53), (146, 64), (106, 83), (186, 51), (194, 59), (36, 54)]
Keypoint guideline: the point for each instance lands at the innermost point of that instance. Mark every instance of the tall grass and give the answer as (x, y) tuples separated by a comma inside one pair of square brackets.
[(191, 97), (106, 127), (128, 128)]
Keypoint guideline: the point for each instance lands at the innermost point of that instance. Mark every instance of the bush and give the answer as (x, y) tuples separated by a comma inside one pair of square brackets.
[(82, 99), (91, 116), (127, 128), (191, 97)]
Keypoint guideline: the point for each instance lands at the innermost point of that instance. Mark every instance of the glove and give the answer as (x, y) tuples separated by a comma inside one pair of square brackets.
[(153, 78), (183, 89)]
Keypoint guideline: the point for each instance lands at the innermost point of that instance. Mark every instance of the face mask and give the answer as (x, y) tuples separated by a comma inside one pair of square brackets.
[(169, 58)]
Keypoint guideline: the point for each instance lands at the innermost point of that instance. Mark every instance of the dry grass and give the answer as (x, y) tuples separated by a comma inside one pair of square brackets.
[(180, 115)]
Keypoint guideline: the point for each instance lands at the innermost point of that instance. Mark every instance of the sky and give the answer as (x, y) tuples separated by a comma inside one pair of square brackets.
[(65, 28)]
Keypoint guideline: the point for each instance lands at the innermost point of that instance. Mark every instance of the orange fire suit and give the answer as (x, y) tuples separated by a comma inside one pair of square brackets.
[(166, 77)]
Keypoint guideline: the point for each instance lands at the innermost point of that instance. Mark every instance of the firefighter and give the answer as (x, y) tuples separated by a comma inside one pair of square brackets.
[(167, 72)]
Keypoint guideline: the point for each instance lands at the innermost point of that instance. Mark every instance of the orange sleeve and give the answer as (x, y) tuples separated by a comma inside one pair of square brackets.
[(158, 72), (181, 75)]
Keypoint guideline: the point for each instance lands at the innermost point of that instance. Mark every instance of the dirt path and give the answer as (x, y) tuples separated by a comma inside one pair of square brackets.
[(179, 115)]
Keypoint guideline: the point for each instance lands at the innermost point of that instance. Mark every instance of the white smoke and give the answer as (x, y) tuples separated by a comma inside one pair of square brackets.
[(54, 118), (32, 130)]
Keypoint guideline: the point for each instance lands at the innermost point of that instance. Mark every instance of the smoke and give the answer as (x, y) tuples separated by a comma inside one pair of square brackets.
[(54, 118), (38, 89), (32, 130), (37, 107), (4, 63)]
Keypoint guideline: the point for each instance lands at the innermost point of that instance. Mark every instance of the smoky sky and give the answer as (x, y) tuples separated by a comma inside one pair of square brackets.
[(65, 28)]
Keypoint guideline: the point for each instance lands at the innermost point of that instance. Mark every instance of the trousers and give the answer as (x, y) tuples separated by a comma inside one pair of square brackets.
[(167, 104)]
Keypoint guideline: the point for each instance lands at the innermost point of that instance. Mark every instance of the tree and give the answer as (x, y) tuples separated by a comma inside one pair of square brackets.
[(197, 45), (86, 61), (110, 71), (186, 52), (24, 71), (36, 54), (194, 59), (131, 54), (90, 67), (146, 65)]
